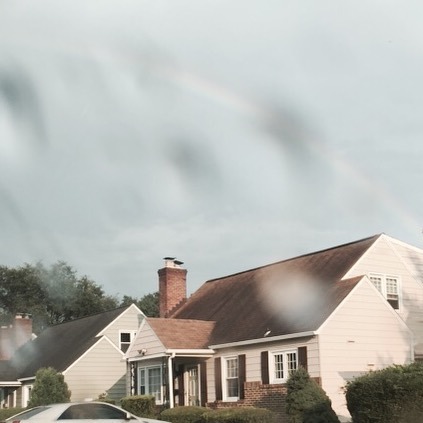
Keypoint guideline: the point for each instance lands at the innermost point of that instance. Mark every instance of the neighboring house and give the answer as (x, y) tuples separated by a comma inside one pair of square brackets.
[(89, 352), (338, 312)]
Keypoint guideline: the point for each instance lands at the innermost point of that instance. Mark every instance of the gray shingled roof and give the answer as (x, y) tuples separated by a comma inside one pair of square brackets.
[(61, 345), (247, 304)]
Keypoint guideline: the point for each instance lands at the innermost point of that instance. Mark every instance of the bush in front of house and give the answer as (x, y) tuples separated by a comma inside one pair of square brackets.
[(240, 415), (140, 405), (187, 414), (390, 395), (306, 401), (49, 388)]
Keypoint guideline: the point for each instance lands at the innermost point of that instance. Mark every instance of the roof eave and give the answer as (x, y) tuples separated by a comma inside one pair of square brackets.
[(265, 340)]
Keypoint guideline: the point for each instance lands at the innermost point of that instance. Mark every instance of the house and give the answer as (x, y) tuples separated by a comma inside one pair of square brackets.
[(89, 352), (338, 312)]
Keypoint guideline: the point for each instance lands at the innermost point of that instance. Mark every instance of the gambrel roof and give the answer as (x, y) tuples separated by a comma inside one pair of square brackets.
[(287, 297), (61, 345)]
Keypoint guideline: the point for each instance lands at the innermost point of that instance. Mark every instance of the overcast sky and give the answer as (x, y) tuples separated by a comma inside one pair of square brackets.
[(228, 134)]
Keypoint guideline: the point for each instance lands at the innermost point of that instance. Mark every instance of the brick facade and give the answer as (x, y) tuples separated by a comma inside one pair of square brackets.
[(271, 397)]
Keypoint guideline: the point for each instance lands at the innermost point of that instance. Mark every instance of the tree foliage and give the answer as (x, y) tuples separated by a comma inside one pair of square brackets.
[(306, 401), (49, 388), (56, 294)]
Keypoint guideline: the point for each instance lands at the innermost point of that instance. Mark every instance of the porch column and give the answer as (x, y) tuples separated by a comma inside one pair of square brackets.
[(170, 380)]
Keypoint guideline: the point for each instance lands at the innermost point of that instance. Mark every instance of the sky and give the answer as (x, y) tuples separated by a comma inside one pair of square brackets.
[(228, 134)]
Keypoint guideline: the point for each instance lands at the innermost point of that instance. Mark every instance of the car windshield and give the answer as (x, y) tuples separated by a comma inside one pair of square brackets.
[(26, 415), (92, 411)]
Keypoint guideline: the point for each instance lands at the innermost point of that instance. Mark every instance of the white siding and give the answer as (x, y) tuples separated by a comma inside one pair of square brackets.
[(129, 320), (363, 334), (146, 339), (101, 370), (253, 359), (391, 257)]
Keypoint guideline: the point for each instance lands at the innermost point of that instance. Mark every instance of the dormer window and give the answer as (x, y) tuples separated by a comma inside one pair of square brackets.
[(125, 339), (389, 287)]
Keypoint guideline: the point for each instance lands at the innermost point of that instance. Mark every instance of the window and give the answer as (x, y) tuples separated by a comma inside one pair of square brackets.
[(388, 286), (231, 379), (125, 338), (93, 411), (150, 382), (282, 363)]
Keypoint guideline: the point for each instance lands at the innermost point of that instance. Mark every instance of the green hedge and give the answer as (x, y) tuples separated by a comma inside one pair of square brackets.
[(188, 414), (391, 395), (224, 415), (5, 413), (240, 415), (140, 405)]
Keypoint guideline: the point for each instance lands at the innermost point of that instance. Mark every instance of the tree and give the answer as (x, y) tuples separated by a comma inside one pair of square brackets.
[(306, 401), (49, 388), (148, 304), (52, 294)]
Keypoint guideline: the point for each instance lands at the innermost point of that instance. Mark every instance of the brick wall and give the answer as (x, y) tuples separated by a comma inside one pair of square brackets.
[(172, 289), (271, 397)]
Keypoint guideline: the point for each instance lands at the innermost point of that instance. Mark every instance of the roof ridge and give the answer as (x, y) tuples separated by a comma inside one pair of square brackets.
[(297, 257)]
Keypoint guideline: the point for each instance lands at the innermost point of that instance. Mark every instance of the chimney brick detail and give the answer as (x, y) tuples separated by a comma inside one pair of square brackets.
[(172, 289)]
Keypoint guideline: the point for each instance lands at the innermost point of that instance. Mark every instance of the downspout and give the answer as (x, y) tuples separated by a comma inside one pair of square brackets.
[(170, 381)]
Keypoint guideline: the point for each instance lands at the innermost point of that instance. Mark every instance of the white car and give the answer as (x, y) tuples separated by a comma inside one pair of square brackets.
[(77, 412)]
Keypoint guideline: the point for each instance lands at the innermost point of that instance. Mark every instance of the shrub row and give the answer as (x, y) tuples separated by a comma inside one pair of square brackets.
[(224, 415), (5, 413), (390, 395), (140, 405)]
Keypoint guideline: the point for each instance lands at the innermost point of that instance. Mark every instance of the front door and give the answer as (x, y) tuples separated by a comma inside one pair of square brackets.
[(192, 391)]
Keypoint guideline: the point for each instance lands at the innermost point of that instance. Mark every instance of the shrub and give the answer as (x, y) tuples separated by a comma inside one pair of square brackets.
[(5, 413), (390, 395), (140, 405), (49, 388), (306, 401), (188, 414), (239, 415)]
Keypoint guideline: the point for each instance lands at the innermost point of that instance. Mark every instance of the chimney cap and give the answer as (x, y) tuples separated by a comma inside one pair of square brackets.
[(172, 262)]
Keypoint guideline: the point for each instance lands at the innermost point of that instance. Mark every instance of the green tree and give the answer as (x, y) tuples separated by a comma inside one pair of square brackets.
[(306, 401), (49, 388), (148, 304), (52, 294)]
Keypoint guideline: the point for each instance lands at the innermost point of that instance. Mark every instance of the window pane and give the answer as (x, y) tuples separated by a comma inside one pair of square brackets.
[(377, 282), (155, 382), (232, 385), (125, 337), (291, 361), (278, 366)]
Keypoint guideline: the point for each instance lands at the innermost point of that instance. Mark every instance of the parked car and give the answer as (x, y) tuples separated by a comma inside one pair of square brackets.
[(77, 412)]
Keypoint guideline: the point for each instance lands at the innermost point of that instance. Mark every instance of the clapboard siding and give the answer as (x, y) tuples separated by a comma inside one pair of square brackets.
[(101, 370), (356, 339), (148, 340), (129, 320), (392, 257)]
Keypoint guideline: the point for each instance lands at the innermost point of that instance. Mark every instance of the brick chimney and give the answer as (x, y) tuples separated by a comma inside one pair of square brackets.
[(15, 335), (172, 286)]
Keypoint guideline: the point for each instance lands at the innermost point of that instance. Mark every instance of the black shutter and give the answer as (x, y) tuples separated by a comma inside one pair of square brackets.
[(218, 378), (203, 383), (181, 388), (242, 370), (302, 357), (265, 367)]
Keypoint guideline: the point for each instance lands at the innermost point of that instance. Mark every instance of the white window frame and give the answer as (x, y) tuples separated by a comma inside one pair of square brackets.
[(146, 370), (383, 287), (226, 377), (132, 334), (286, 367)]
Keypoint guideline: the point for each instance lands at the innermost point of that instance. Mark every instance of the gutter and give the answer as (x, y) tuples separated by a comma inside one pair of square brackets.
[(265, 340)]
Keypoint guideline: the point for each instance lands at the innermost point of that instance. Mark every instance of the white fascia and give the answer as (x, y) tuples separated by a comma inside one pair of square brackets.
[(265, 340), (206, 352), (11, 383), (26, 379)]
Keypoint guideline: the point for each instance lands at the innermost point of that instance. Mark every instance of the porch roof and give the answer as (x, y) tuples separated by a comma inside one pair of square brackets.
[(187, 334)]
